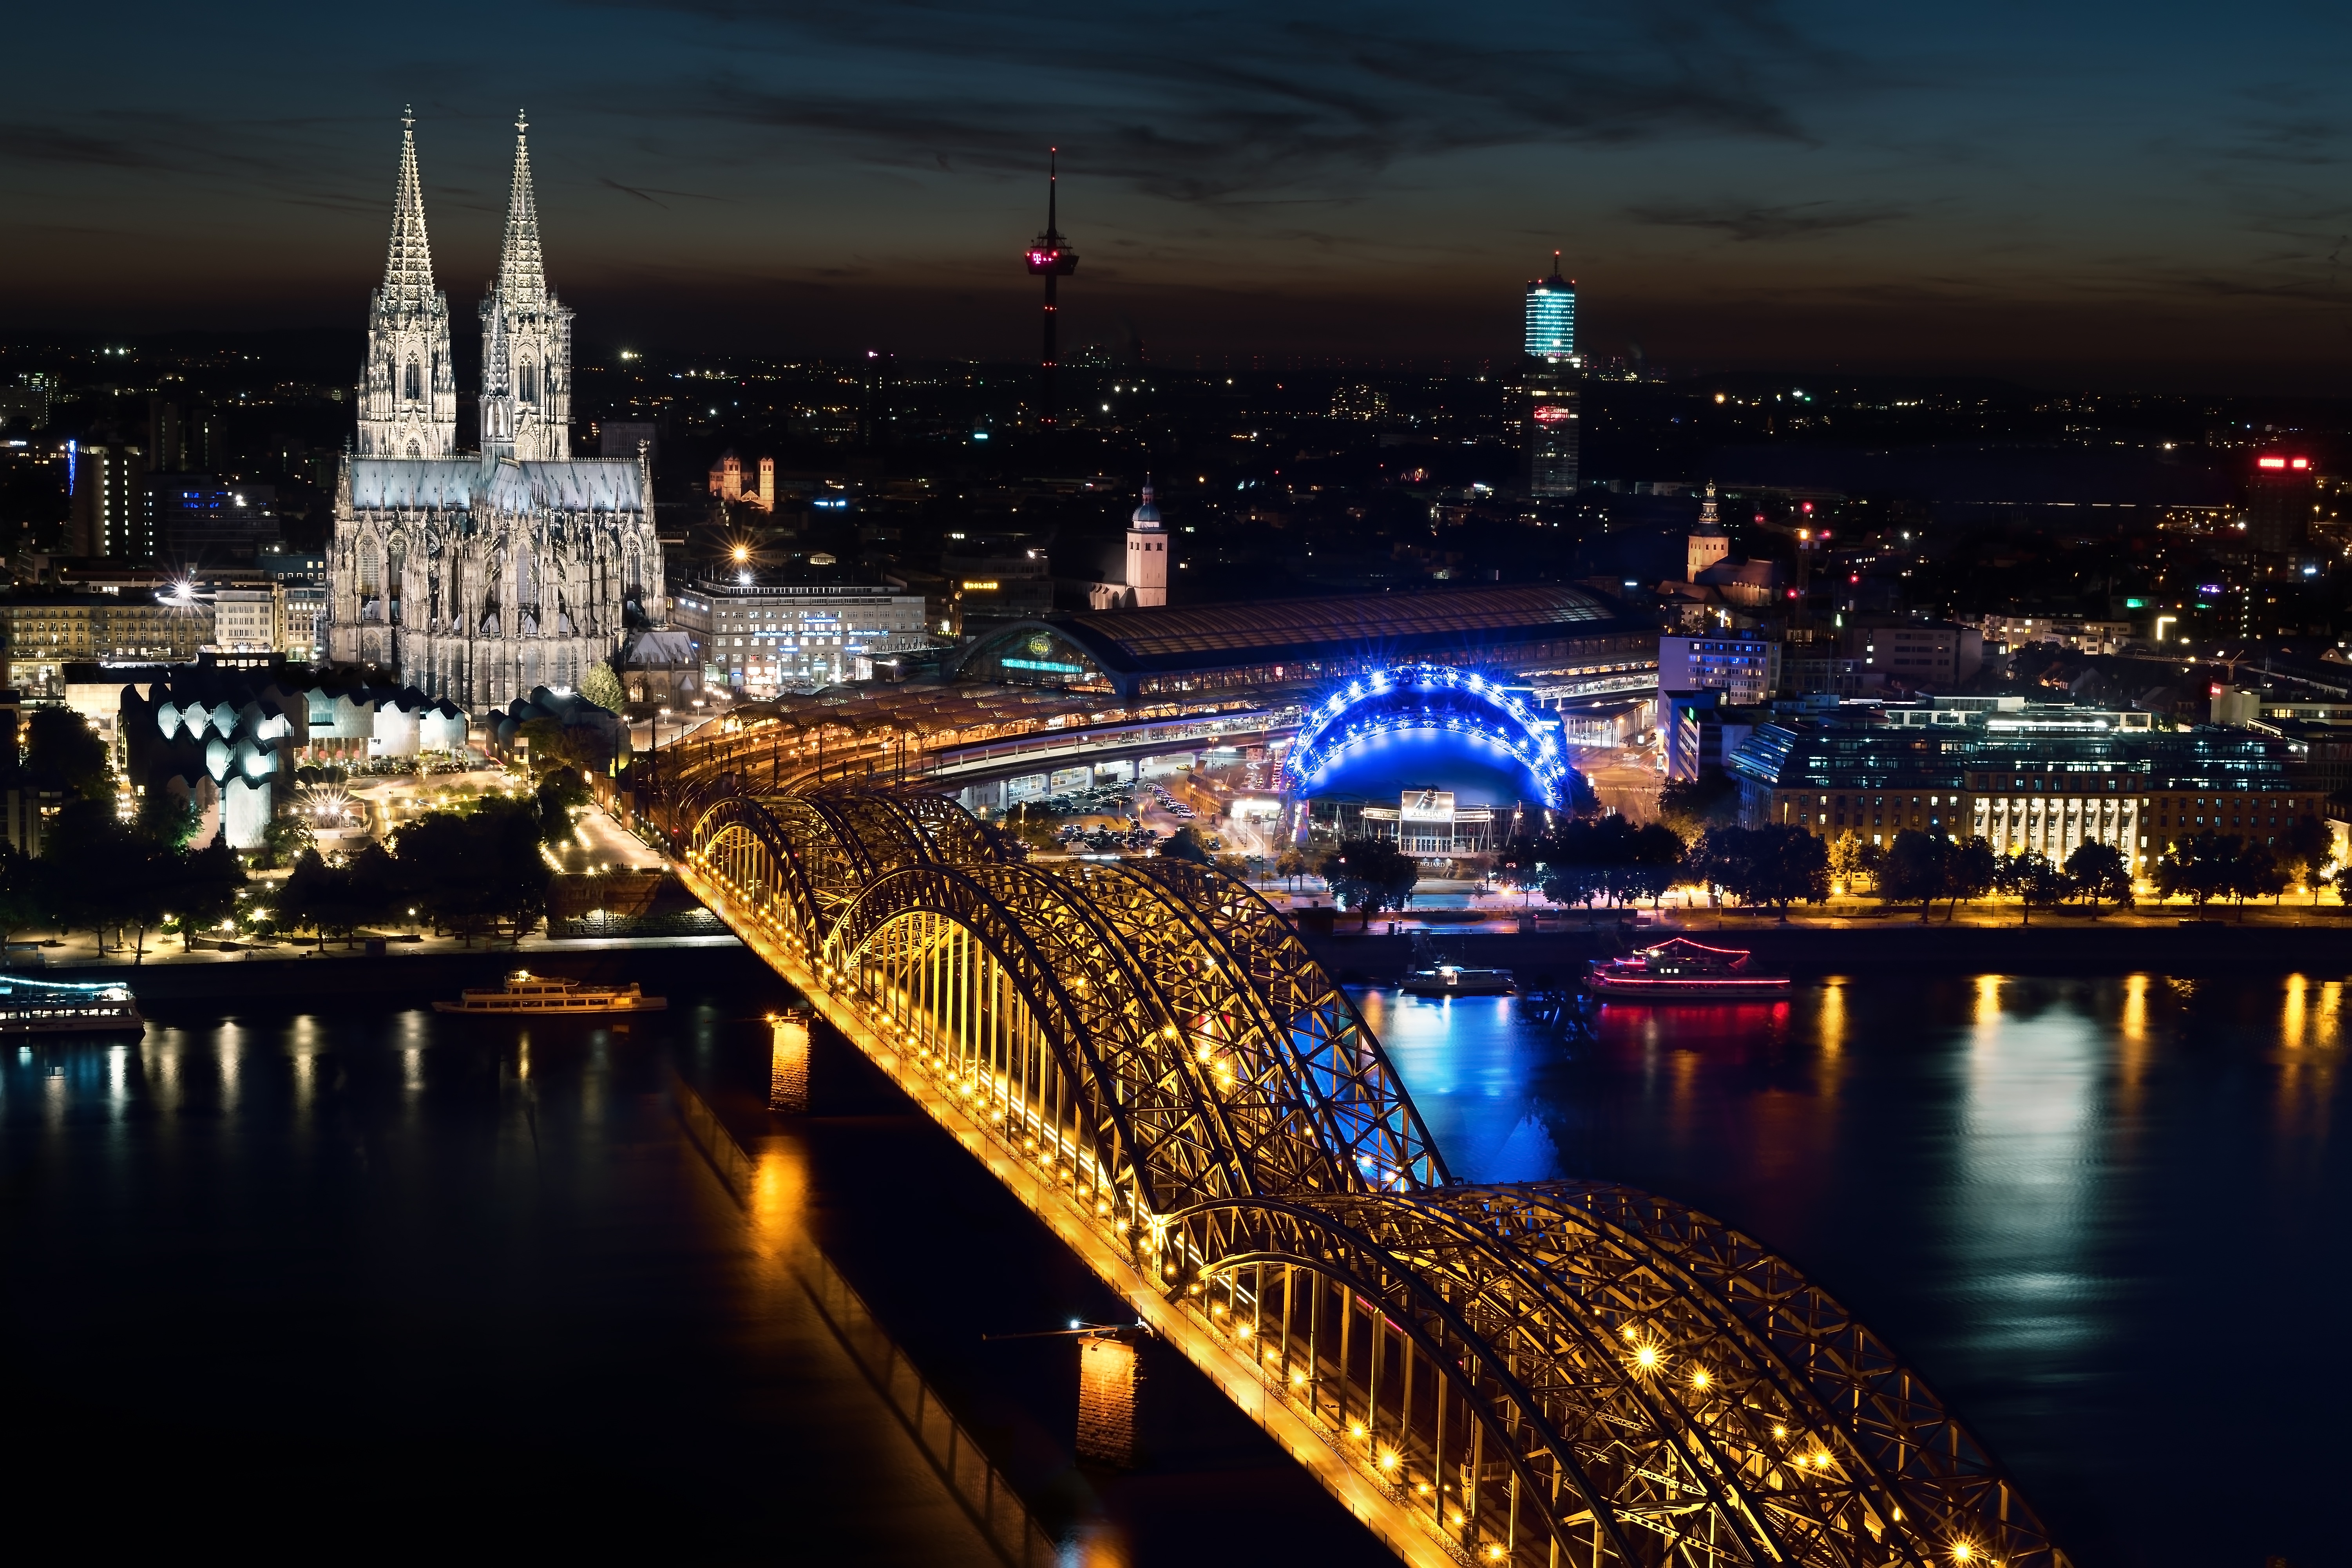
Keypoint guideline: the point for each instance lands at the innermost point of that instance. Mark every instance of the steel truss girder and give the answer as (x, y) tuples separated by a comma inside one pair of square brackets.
[(1108, 1025), (1370, 1122)]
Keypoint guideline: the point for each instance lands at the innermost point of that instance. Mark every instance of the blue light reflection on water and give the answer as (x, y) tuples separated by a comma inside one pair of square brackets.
[(2104, 1216)]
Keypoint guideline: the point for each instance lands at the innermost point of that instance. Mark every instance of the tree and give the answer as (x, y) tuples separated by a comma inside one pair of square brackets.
[(466, 869), (2305, 850), (603, 687), (2097, 871), (1851, 862), (2032, 878), (1790, 864), (2200, 867), (1720, 862), (554, 746), (1971, 869), (285, 839), (95, 863), (1291, 865), (2256, 874), (1914, 869), (1777, 865), (168, 819), (1188, 843), (23, 890), (1656, 861), (205, 888), (560, 789), (62, 753), (1519, 865), (1371, 875), (1691, 807)]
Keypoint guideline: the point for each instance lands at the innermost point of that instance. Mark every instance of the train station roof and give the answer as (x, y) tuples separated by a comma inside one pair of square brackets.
[(1138, 651)]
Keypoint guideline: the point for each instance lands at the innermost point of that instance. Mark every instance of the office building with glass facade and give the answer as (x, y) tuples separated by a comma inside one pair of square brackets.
[(2048, 779)]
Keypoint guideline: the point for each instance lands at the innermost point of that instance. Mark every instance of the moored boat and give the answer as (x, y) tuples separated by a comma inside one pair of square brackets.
[(1458, 980), (30, 1007), (1681, 970), (543, 996)]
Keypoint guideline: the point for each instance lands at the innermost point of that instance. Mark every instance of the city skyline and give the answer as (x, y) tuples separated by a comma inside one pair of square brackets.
[(1732, 186)]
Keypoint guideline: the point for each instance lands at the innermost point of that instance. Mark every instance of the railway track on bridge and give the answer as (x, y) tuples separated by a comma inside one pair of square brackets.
[(1148, 1057)]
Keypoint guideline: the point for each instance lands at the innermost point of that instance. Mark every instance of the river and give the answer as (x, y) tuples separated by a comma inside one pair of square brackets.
[(360, 1278)]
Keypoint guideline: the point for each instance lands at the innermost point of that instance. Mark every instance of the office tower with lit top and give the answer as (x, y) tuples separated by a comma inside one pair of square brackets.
[(1554, 374), (2282, 494), (1050, 258)]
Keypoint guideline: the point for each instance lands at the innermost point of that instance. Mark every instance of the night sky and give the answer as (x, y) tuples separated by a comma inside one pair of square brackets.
[(2104, 192)]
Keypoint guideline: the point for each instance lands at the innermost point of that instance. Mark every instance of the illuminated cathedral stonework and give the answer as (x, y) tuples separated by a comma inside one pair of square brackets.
[(480, 576)]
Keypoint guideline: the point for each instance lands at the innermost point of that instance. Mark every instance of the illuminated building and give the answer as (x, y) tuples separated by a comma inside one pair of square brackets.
[(1747, 670), (1050, 257), (408, 387), (2047, 778), (480, 577), (2282, 496), (1475, 711), (224, 735), (1918, 654), (1544, 634), (1147, 556), (43, 632), (248, 620), (110, 514), (1707, 543), (201, 520), (727, 481), (1554, 374), (526, 338), (759, 638), (1551, 316)]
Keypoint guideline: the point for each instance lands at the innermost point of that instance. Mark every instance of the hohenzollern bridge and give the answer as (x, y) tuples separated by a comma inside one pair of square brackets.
[(1552, 1373)]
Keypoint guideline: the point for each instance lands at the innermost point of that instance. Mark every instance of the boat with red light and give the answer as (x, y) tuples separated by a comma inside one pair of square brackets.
[(1681, 970)]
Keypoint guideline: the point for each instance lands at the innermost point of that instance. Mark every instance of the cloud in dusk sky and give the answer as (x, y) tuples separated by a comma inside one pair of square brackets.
[(2155, 194)]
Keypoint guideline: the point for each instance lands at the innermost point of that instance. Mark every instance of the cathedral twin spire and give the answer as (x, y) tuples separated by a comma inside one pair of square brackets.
[(407, 389), (408, 267)]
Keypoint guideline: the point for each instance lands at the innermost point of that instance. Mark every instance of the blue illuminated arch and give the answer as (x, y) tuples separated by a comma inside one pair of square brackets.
[(1429, 696)]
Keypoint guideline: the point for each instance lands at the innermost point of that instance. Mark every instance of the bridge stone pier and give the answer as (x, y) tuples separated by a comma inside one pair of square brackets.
[(1146, 1055)]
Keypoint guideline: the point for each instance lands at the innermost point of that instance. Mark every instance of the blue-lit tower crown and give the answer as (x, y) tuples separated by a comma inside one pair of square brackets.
[(1551, 316)]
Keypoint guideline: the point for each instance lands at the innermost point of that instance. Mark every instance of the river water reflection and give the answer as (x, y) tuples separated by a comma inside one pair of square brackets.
[(2105, 1218), (358, 1280), (334, 1276)]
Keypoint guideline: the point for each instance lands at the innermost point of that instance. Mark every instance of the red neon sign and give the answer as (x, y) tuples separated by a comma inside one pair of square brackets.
[(2269, 462), (1552, 414), (2298, 462)]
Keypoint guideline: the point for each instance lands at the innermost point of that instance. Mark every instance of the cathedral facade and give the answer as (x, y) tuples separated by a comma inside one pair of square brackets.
[(479, 576)]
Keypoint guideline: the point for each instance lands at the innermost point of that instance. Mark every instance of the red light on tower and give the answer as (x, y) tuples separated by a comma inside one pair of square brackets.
[(1050, 259), (1552, 414)]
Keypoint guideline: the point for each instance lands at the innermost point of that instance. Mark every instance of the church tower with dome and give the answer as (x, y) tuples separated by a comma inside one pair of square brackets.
[(1147, 554)]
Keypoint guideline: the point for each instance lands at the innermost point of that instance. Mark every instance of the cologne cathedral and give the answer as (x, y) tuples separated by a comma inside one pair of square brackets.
[(480, 576)]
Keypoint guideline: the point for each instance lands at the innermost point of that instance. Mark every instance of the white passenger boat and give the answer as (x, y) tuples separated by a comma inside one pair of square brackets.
[(30, 1007), (542, 995)]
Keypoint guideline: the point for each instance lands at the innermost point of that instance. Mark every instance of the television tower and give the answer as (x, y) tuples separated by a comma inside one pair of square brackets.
[(1050, 259)]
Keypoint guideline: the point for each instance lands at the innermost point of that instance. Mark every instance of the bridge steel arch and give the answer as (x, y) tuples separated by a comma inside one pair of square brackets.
[(1542, 1373)]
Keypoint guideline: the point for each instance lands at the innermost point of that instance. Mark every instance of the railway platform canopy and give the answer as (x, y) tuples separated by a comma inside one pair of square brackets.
[(1530, 630)]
